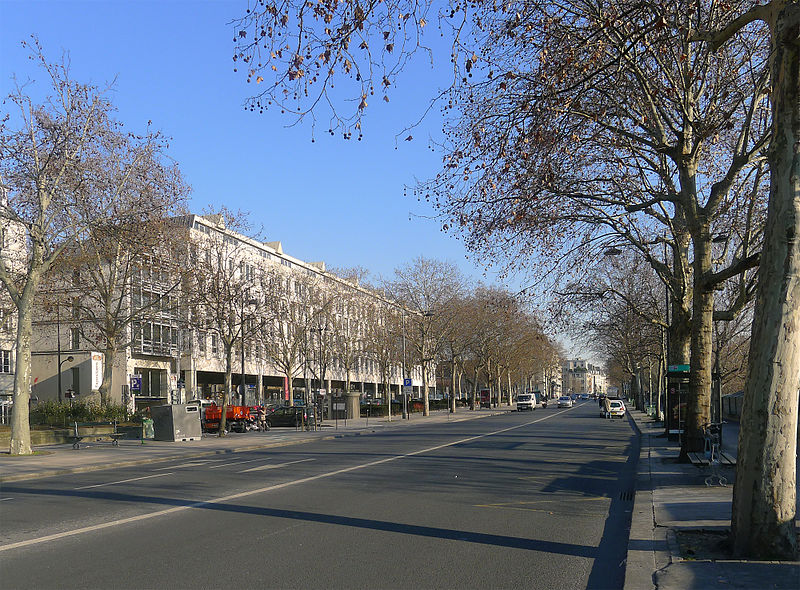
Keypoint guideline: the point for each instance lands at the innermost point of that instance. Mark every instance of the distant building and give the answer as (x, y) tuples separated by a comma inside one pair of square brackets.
[(581, 376)]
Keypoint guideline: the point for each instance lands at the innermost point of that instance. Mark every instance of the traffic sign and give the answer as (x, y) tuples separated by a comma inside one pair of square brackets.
[(406, 382), (136, 382), (323, 391)]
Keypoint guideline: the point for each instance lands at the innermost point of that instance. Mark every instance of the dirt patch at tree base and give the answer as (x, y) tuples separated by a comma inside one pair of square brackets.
[(705, 545)]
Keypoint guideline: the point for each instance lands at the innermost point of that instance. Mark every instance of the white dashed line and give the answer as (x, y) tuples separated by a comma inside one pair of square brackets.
[(111, 483), (183, 465), (275, 466)]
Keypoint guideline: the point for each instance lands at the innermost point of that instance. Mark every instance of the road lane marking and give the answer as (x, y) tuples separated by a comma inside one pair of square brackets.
[(235, 463), (111, 483), (275, 466), (271, 488), (183, 466), (4, 499)]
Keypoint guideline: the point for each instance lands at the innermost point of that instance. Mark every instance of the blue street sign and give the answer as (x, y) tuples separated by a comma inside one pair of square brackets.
[(406, 382), (136, 382)]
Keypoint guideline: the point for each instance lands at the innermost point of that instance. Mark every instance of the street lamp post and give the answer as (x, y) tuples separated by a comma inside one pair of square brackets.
[(69, 359), (58, 345), (320, 376), (405, 395)]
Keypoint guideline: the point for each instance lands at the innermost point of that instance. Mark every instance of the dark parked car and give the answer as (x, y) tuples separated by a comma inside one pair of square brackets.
[(291, 416)]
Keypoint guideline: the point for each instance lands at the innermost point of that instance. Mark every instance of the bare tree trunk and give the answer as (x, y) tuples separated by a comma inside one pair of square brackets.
[(108, 371), (228, 387), (474, 389), (426, 408), (764, 497), (20, 423), (698, 407), (453, 385)]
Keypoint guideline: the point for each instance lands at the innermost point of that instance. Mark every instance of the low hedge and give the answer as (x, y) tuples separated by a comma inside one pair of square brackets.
[(53, 413)]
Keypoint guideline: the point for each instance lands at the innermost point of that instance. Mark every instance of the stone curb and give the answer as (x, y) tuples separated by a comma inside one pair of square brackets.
[(644, 556), (209, 453)]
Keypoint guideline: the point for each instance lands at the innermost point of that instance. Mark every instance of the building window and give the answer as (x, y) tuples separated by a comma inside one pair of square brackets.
[(5, 361), (214, 344), (201, 343), (75, 338)]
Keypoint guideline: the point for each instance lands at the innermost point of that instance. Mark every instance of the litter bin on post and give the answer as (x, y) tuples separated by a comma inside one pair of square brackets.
[(176, 422)]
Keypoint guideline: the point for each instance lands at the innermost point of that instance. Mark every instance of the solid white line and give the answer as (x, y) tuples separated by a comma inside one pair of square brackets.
[(4, 499), (271, 488), (111, 483), (275, 466)]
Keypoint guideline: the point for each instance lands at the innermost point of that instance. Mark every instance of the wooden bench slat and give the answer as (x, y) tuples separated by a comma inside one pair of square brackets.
[(697, 459)]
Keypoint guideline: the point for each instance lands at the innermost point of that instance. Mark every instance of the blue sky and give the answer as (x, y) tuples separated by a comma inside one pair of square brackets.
[(338, 201)]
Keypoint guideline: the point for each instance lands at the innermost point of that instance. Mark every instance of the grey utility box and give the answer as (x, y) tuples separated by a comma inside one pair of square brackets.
[(176, 422)]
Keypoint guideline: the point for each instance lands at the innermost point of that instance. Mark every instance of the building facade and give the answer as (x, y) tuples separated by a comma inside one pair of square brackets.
[(297, 329), (581, 376)]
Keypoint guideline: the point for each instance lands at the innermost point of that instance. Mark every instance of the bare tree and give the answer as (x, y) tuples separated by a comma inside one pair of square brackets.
[(60, 182), (428, 289), (287, 319), (764, 503), (382, 343), (593, 124), (220, 290), (118, 274)]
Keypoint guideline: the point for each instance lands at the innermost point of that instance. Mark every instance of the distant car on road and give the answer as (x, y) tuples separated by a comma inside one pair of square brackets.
[(526, 401), (565, 401), (584, 396)]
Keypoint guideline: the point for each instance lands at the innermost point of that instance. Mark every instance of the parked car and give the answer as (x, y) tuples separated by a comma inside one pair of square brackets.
[(291, 416), (584, 396), (614, 407), (526, 401), (565, 401)]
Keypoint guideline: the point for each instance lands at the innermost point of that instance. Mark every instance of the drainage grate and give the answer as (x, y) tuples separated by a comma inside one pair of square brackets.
[(627, 496)]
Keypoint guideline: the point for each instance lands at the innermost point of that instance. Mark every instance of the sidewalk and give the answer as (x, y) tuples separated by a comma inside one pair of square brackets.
[(672, 498), (62, 459)]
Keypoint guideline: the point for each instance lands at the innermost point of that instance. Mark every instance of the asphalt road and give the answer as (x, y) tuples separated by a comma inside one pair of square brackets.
[(534, 500)]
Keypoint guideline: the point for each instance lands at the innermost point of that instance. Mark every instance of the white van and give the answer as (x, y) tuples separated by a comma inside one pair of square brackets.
[(526, 401)]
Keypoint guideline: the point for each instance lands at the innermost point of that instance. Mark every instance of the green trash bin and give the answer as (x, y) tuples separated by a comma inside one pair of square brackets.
[(147, 429)]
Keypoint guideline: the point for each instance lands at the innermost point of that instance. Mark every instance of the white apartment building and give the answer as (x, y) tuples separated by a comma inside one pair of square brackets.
[(581, 376), (171, 358)]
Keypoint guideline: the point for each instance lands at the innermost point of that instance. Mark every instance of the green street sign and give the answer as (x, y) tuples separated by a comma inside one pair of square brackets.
[(678, 368)]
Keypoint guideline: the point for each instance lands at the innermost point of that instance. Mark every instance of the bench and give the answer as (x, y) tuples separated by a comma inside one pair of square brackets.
[(77, 436), (700, 459)]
